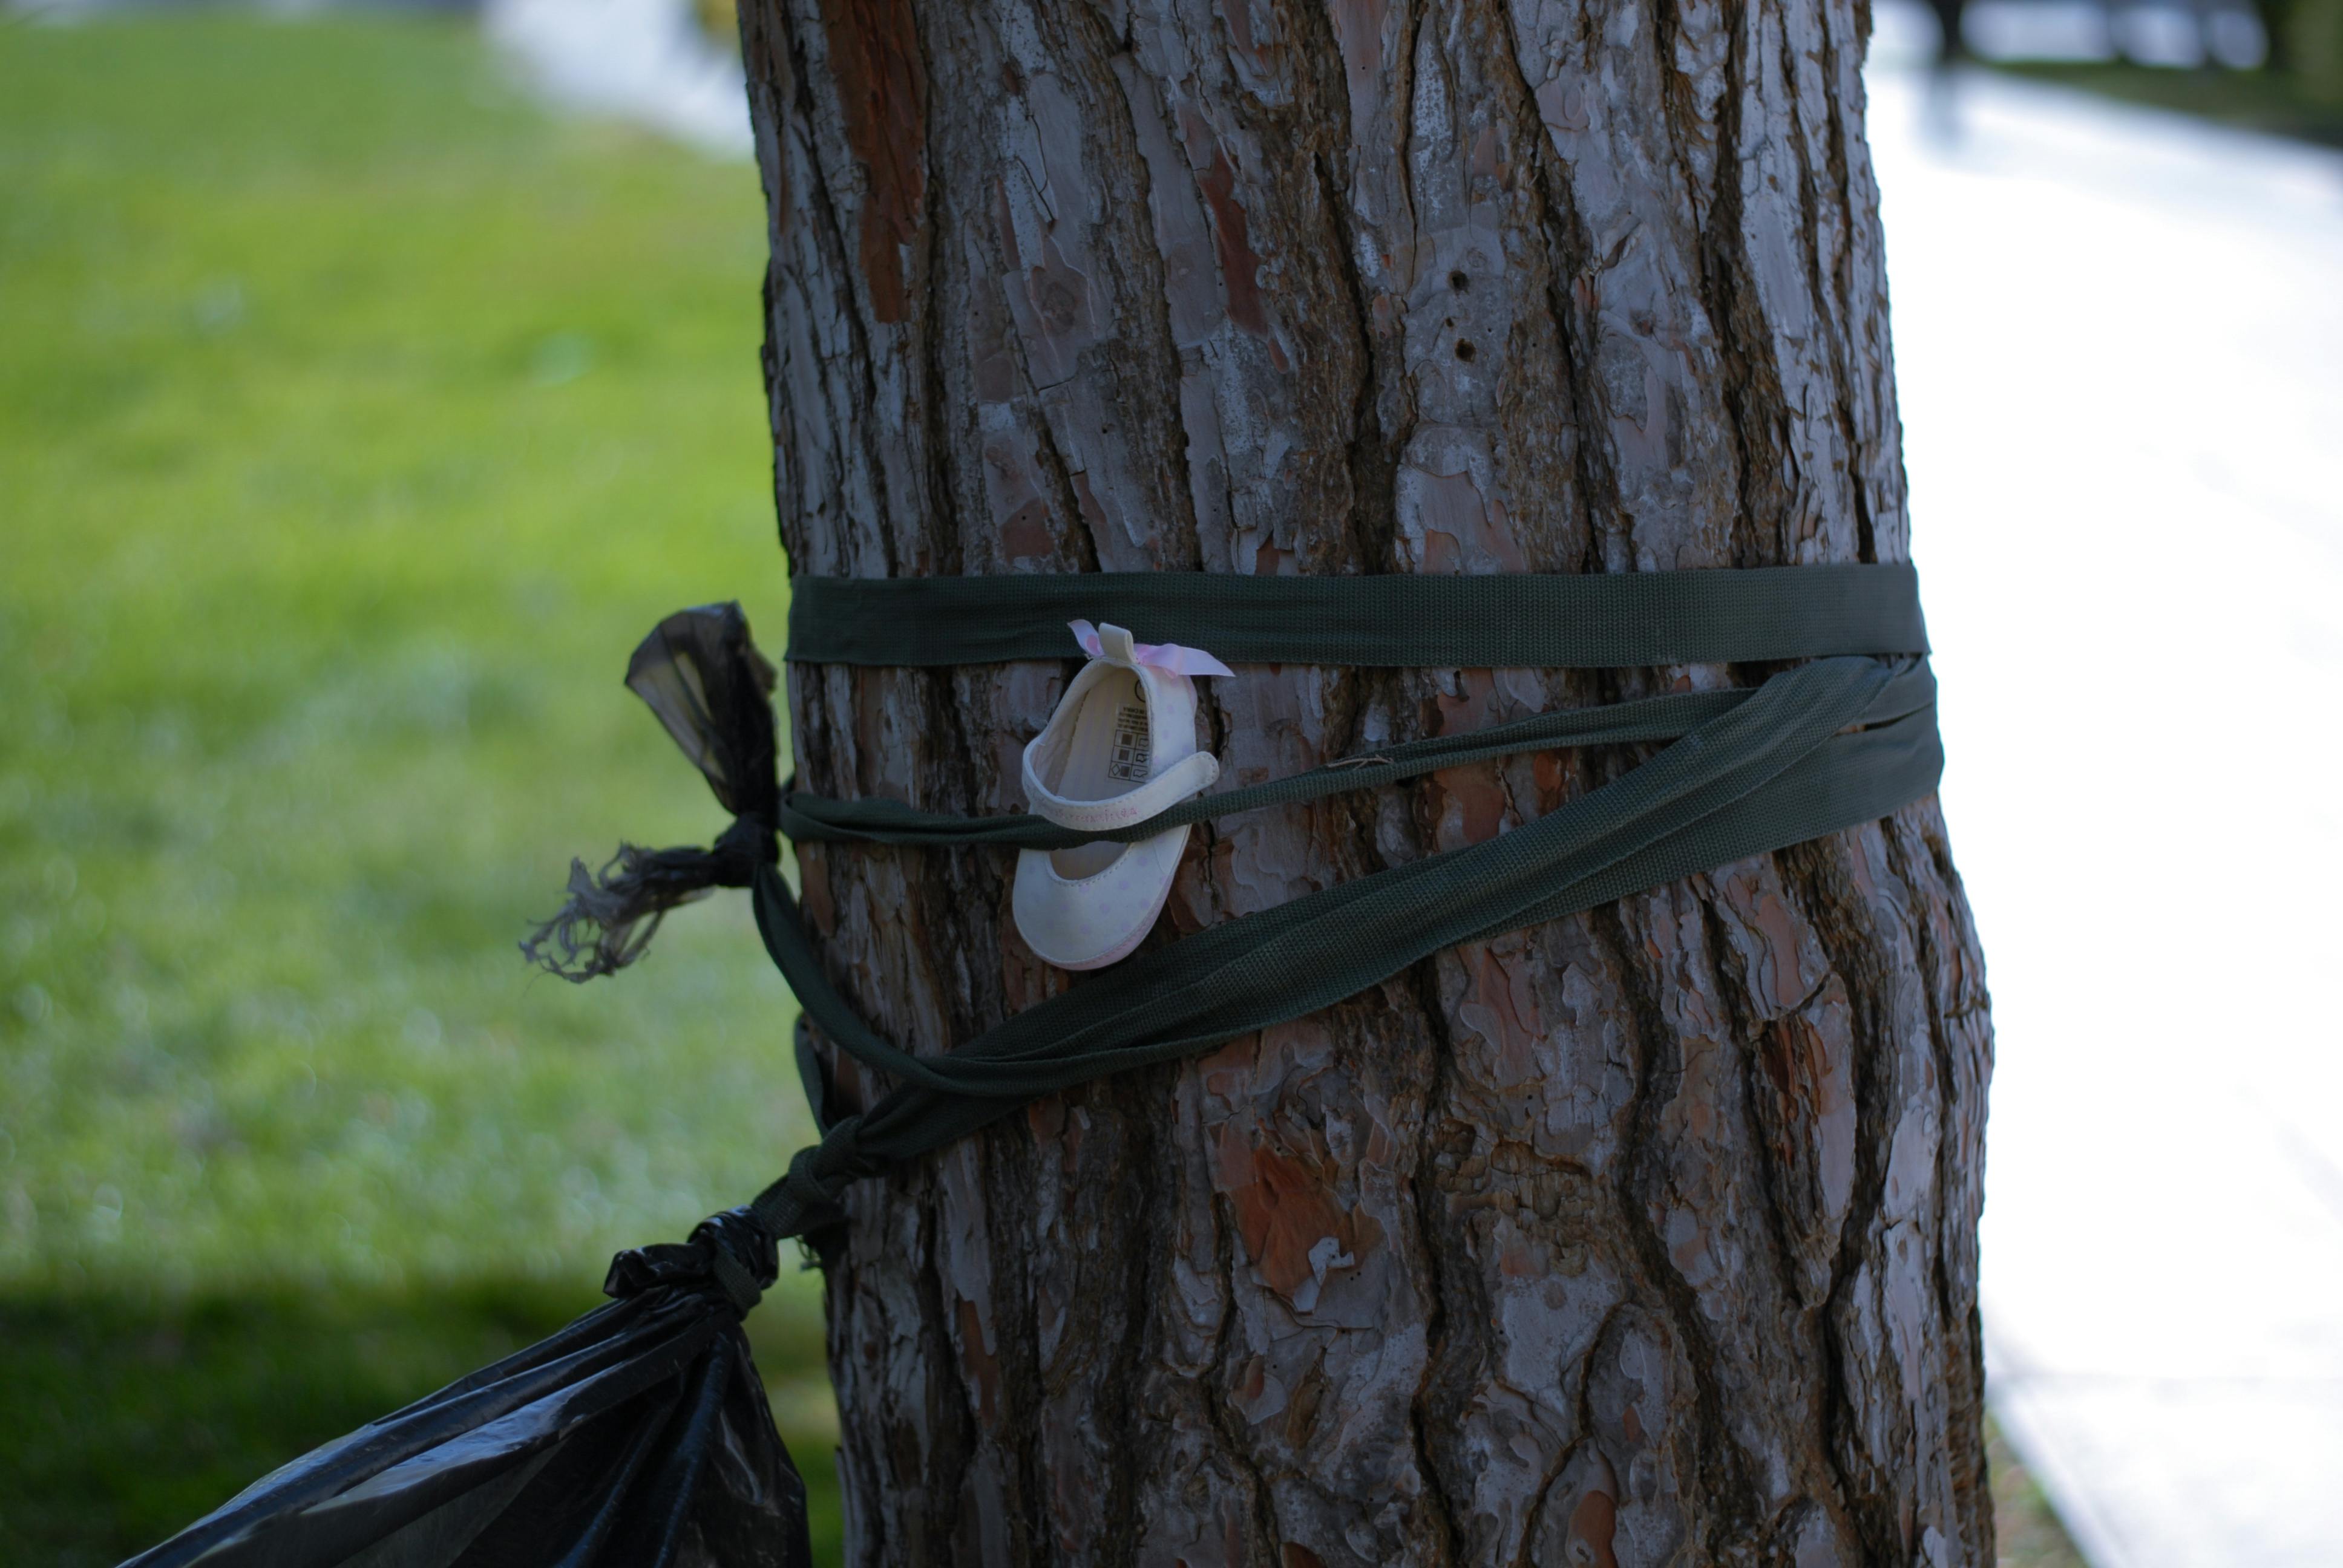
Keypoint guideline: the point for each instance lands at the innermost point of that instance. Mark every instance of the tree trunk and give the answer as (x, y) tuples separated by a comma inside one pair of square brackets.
[(1645, 1236)]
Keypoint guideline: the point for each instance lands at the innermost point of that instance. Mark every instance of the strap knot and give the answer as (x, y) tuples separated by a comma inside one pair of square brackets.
[(734, 1251), (711, 689), (804, 1201), (749, 843)]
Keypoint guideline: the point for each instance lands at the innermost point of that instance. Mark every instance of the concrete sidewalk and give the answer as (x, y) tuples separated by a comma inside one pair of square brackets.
[(2119, 343)]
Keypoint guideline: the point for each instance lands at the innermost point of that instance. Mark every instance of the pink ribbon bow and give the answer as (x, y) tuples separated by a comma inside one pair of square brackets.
[(1164, 656)]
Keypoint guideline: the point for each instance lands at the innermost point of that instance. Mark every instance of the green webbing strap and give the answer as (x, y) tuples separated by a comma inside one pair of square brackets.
[(1531, 620), (1776, 767), (1841, 740), (817, 819)]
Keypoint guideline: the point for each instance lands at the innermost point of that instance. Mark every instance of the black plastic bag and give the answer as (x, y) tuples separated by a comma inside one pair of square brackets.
[(638, 1437)]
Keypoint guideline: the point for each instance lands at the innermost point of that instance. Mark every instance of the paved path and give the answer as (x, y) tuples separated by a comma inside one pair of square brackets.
[(2119, 339), (2119, 345)]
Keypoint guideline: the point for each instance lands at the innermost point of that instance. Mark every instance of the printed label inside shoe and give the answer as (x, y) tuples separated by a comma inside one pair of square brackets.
[(1129, 763)]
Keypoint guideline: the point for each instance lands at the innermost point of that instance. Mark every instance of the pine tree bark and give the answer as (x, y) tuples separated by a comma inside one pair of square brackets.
[(1646, 1236)]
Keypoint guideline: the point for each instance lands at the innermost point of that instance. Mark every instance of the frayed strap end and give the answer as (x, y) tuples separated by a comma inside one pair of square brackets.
[(612, 913)]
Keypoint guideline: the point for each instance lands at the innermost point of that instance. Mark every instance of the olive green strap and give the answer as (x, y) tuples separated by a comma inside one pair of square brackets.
[(1528, 621), (817, 819), (1778, 767), (1841, 740)]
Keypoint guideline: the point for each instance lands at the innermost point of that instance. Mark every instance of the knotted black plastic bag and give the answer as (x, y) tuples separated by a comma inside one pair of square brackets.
[(638, 1437), (704, 678)]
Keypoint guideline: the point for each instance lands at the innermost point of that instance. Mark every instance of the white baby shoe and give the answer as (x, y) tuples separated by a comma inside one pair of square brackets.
[(1121, 747)]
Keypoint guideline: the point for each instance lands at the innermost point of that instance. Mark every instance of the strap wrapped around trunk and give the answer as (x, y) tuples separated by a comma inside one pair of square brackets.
[(1845, 737), (1528, 621)]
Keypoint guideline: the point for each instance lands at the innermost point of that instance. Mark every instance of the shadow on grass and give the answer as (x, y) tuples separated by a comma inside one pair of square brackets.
[(123, 1419)]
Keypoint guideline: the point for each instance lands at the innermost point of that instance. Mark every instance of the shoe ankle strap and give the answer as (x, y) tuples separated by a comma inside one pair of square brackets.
[(1193, 774)]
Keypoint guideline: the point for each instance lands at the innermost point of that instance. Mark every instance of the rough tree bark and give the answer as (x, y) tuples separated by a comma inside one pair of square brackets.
[(1642, 1237)]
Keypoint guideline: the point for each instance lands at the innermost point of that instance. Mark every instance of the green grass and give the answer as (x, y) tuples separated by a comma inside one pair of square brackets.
[(356, 418)]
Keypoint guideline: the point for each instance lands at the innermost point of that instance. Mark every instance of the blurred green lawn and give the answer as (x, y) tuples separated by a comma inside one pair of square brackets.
[(355, 418)]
